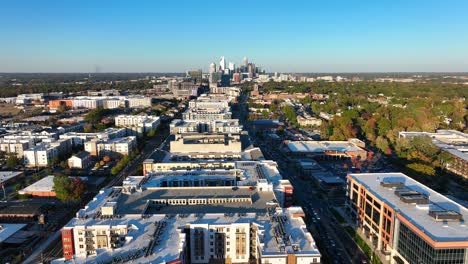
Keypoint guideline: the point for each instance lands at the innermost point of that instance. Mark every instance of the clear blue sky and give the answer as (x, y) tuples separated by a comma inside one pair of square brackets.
[(283, 36)]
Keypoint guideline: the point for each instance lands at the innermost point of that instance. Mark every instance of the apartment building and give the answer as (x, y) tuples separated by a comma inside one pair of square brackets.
[(205, 102), (101, 147), (182, 226), (40, 155), (181, 89), (138, 101), (88, 103), (16, 146), (206, 146), (81, 160), (43, 154), (140, 124), (78, 138), (179, 126), (207, 114), (407, 221)]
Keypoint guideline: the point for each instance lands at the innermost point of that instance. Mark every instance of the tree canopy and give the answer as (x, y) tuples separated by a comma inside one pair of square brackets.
[(69, 189)]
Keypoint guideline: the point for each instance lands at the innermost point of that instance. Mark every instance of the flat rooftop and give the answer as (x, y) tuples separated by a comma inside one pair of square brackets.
[(171, 240), (45, 184), (322, 146), (136, 203), (8, 175), (418, 214), (7, 230)]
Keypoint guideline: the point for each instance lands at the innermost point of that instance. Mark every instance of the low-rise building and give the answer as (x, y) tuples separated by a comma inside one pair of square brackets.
[(101, 147), (206, 146), (81, 160), (138, 101), (308, 121), (42, 188), (139, 124), (41, 155), (7, 177), (353, 148), (16, 146)]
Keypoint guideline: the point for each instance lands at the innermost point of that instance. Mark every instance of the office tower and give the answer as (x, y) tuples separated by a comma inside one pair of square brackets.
[(246, 62), (222, 63), (212, 67), (232, 66), (251, 70)]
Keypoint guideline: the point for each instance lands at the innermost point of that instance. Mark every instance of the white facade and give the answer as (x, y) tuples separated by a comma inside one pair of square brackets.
[(122, 146), (40, 156), (138, 101), (89, 103), (16, 146)]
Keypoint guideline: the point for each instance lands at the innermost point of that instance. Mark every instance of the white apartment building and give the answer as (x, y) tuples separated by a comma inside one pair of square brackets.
[(138, 123), (40, 155), (17, 146), (81, 160), (208, 103), (89, 103), (100, 147), (78, 138), (179, 126), (121, 223), (138, 101), (113, 103), (207, 114)]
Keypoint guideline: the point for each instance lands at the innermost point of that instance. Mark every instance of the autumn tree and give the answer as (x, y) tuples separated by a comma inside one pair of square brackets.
[(68, 189)]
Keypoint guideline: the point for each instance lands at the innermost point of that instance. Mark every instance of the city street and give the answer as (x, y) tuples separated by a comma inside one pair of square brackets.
[(334, 243)]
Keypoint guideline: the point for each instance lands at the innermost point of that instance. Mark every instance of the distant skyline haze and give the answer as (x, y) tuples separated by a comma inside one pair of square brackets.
[(175, 36)]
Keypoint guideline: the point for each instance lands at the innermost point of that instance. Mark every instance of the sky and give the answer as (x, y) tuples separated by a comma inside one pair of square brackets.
[(280, 36)]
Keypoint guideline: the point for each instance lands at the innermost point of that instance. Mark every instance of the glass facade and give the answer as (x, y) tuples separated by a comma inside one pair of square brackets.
[(415, 250)]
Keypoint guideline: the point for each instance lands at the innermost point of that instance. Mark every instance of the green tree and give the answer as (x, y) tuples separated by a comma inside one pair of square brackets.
[(382, 144), (68, 189), (12, 161), (95, 116), (383, 126), (290, 114), (422, 168)]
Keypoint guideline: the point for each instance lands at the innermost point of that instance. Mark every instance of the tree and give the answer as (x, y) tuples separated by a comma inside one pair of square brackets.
[(17, 187), (68, 189), (382, 144), (422, 168), (12, 161), (290, 113), (383, 126), (95, 116)]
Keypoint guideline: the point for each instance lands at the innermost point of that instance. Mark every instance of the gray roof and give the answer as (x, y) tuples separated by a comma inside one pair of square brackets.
[(135, 203)]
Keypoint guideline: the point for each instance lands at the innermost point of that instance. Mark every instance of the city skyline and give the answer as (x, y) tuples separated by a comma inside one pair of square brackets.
[(298, 37)]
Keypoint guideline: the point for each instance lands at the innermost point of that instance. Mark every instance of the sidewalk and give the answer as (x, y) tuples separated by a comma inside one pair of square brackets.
[(379, 253)]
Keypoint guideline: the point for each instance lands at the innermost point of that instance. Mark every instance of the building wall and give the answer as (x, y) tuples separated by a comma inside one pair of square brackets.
[(67, 243), (58, 103), (384, 227)]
